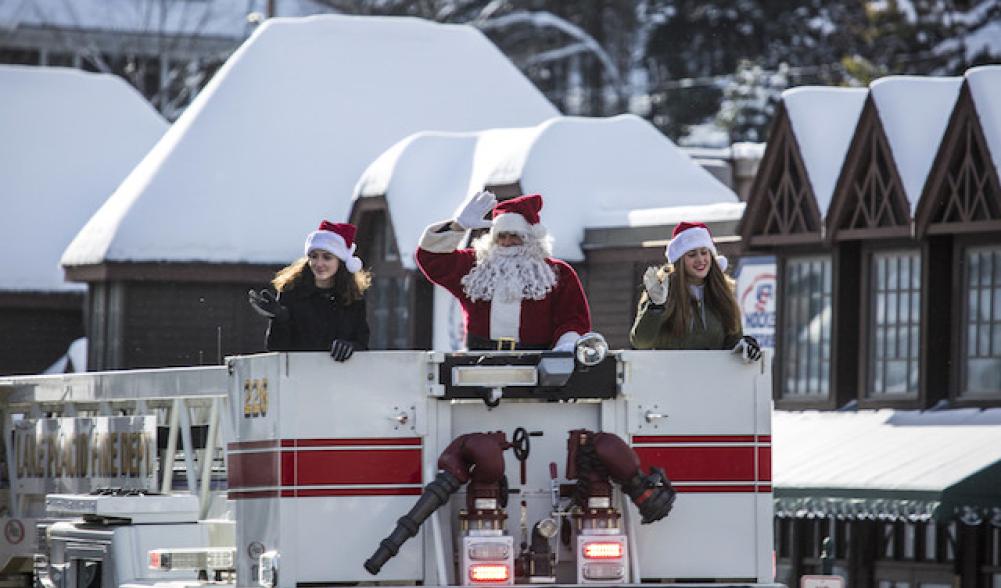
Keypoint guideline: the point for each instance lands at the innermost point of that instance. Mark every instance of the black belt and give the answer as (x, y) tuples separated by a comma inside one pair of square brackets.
[(475, 343)]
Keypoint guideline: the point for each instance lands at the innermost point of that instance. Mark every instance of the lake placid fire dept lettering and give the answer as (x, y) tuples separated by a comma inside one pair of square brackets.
[(110, 450)]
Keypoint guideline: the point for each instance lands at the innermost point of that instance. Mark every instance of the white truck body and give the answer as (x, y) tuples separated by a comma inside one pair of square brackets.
[(324, 457)]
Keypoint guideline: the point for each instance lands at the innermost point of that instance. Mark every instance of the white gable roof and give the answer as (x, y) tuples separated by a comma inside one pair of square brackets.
[(823, 120), (613, 172), (985, 88), (279, 137), (914, 111), (67, 139), (215, 18)]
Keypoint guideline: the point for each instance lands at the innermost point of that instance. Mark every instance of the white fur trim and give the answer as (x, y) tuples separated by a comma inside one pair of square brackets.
[(511, 222), (505, 319), (567, 341), (693, 238), (440, 242), (334, 244)]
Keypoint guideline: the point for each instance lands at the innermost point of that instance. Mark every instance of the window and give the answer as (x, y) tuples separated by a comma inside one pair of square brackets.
[(806, 318), (981, 363), (894, 323)]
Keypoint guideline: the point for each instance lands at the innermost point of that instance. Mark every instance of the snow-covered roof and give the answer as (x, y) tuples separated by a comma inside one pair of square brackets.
[(880, 450), (985, 88), (67, 139), (914, 111), (216, 18), (823, 120), (277, 140), (613, 172)]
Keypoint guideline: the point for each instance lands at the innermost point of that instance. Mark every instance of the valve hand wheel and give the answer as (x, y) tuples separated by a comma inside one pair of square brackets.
[(520, 444)]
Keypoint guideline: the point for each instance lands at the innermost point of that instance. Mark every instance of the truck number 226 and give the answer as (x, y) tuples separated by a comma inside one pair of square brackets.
[(255, 398)]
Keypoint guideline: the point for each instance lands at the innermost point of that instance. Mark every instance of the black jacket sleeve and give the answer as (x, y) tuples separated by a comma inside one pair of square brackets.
[(279, 337), (360, 317)]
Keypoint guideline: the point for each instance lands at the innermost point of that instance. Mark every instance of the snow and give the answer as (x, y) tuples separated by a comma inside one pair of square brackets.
[(220, 18), (74, 360), (823, 120), (614, 172), (708, 134), (918, 450), (69, 139), (707, 213), (984, 41), (985, 87), (277, 140), (914, 112)]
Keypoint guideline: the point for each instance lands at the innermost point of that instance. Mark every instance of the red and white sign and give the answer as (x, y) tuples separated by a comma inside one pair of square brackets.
[(821, 582), (756, 292)]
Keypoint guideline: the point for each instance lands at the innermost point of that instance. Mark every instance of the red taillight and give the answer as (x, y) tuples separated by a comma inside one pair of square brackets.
[(154, 560), (602, 550), (489, 573)]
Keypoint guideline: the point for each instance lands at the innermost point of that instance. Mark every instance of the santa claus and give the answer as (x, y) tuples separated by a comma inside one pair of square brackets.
[(513, 294)]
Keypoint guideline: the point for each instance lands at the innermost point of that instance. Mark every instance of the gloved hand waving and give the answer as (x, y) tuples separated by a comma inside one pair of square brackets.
[(655, 288), (470, 214), (266, 305), (748, 349), (341, 350)]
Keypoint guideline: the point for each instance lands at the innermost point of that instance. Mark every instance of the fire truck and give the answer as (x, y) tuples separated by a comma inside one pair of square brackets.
[(427, 468)]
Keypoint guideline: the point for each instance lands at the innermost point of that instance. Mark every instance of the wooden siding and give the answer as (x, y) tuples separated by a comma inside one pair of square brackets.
[(963, 192), (170, 324), (37, 329), (869, 200), (781, 207)]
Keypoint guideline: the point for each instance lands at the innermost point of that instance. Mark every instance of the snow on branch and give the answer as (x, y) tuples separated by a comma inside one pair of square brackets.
[(557, 54), (549, 20)]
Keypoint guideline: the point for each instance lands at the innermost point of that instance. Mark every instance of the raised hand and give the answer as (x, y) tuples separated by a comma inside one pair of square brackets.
[(266, 305), (655, 288), (470, 214)]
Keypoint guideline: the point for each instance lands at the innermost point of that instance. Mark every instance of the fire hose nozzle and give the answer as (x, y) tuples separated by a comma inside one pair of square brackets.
[(435, 494), (652, 494)]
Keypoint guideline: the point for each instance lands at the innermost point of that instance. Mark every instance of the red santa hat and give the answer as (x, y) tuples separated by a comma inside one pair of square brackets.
[(337, 239), (688, 236), (519, 215)]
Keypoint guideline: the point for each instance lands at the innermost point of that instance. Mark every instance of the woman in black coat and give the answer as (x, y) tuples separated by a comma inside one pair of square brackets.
[(320, 304)]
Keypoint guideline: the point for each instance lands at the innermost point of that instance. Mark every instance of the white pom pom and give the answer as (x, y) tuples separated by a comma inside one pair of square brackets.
[(353, 264), (722, 262)]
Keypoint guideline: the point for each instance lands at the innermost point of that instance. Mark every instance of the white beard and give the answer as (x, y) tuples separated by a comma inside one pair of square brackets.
[(509, 274)]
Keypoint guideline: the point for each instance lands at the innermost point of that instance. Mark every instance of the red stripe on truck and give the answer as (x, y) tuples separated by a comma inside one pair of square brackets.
[(252, 470), (701, 464), (657, 439), (368, 466)]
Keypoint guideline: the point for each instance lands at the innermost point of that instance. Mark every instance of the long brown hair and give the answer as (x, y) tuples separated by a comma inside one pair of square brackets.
[(348, 287), (719, 296)]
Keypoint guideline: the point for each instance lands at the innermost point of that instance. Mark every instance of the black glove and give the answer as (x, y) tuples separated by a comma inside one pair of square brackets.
[(748, 348), (266, 305), (340, 350)]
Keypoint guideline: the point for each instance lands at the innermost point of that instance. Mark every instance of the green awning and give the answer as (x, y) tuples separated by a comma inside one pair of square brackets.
[(888, 464)]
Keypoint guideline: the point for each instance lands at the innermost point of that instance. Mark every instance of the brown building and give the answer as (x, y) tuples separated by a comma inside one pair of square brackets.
[(883, 210), (613, 190), (69, 139)]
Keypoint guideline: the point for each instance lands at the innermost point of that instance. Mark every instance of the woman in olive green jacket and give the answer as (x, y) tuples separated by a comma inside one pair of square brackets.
[(690, 303)]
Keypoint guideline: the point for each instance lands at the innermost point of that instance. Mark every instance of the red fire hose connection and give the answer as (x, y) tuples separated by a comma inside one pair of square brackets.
[(477, 458), (593, 458)]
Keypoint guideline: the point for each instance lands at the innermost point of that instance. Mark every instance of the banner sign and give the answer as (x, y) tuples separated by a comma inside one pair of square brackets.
[(80, 454), (756, 295)]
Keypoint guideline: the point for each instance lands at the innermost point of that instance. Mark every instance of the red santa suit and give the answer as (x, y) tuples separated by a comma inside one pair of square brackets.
[(558, 317)]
